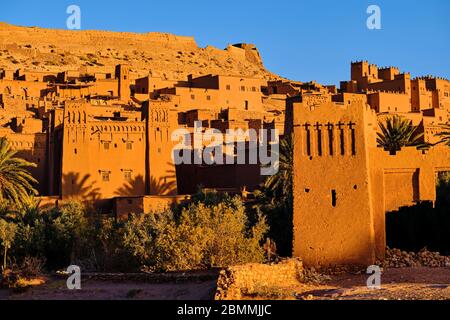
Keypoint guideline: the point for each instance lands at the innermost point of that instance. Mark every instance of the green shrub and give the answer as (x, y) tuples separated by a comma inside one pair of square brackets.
[(201, 236), (109, 251), (7, 235), (68, 234)]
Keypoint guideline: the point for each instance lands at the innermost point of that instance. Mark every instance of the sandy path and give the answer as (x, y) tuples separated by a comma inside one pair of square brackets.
[(403, 283)]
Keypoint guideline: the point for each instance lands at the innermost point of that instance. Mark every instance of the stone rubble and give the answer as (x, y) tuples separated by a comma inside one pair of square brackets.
[(396, 258)]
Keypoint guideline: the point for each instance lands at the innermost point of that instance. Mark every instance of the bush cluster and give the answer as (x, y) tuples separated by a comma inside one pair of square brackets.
[(207, 233)]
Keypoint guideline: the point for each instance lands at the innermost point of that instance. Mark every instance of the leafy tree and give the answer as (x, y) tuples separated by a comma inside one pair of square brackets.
[(28, 211), (31, 229), (67, 233), (398, 132), (16, 182), (109, 251), (7, 235)]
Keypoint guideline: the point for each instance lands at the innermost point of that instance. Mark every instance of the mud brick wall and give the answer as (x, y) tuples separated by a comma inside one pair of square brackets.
[(238, 281)]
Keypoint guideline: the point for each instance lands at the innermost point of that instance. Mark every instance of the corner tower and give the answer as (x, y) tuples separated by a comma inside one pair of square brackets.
[(123, 77), (333, 215)]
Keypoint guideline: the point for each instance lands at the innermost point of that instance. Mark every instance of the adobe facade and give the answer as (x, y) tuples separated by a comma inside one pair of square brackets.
[(106, 138), (98, 136), (339, 210), (343, 182)]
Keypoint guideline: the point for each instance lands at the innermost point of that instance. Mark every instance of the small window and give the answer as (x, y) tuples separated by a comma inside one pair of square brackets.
[(106, 145), (228, 87), (127, 175), (242, 88), (129, 146), (208, 98), (193, 96), (105, 176)]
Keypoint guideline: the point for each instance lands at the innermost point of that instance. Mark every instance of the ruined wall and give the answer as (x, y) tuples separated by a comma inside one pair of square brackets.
[(238, 282)]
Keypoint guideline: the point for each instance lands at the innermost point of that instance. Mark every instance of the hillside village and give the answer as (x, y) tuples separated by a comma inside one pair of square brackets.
[(98, 125)]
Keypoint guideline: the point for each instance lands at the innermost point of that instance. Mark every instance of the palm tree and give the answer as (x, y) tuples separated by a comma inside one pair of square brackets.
[(29, 211), (281, 184), (16, 182), (276, 199), (445, 134), (396, 133)]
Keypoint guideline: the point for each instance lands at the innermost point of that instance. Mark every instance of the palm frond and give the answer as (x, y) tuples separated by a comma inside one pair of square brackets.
[(16, 182)]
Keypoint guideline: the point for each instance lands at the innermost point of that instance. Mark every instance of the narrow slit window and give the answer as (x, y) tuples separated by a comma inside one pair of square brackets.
[(333, 198), (342, 142), (308, 142), (353, 142), (319, 139), (330, 140)]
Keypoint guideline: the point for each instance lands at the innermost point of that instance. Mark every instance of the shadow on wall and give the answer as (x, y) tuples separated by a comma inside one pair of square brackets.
[(135, 187), (416, 227), (76, 186), (163, 186)]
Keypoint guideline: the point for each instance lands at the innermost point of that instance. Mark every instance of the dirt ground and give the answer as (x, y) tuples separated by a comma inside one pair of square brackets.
[(397, 284), (419, 283)]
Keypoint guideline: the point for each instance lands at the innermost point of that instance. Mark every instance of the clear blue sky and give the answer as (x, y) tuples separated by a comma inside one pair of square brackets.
[(302, 40)]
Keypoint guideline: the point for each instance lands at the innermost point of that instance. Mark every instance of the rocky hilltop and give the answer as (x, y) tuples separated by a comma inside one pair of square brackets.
[(159, 54)]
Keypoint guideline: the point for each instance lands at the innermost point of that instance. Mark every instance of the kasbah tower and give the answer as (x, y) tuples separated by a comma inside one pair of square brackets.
[(104, 136)]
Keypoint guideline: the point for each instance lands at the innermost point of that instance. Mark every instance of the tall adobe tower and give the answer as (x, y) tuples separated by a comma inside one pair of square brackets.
[(123, 75), (333, 214), (160, 168), (75, 153)]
